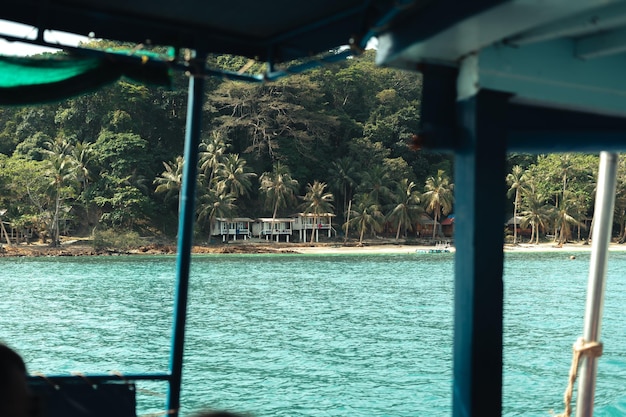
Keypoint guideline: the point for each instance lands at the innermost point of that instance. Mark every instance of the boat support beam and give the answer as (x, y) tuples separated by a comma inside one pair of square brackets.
[(480, 158), (185, 238)]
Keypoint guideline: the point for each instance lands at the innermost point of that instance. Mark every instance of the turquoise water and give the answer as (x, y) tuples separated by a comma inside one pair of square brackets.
[(316, 335)]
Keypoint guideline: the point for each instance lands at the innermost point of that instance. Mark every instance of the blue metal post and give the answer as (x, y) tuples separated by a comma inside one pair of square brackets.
[(480, 208), (185, 239)]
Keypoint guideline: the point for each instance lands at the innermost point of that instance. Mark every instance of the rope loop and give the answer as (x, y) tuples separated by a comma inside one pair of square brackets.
[(580, 348)]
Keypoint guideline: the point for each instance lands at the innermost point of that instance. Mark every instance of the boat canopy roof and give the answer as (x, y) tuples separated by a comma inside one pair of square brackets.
[(515, 46), (276, 31)]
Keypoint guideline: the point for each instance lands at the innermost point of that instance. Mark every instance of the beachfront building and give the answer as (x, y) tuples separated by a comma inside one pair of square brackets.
[(274, 229), (236, 227), (447, 226), (425, 225), (316, 223), (517, 222)]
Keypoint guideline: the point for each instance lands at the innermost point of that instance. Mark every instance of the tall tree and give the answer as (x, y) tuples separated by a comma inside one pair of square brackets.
[(211, 155), (278, 188), (61, 172), (620, 199), (170, 181), (516, 181), (215, 202), (407, 206), (286, 120), (438, 197), (122, 204), (235, 175), (366, 216), (342, 174), (82, 156), (566, 217), (376, 182), (317, 202), (535, 211)]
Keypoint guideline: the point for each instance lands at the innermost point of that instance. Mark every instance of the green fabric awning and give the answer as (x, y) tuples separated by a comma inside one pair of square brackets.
[(35, 80)]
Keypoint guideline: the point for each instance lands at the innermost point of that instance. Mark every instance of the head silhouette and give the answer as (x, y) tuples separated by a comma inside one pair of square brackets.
[(16, 399)]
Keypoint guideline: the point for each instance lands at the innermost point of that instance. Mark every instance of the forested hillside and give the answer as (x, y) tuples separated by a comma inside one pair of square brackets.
[(328, 139), (112, 159)]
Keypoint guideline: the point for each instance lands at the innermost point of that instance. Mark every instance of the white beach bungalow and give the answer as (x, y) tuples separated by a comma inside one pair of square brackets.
[(236, 227), (263, 228), (315, 223)]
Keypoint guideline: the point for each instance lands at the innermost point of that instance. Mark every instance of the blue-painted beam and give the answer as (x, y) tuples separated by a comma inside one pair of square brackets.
[(448, 30), (550, 75), (530, 129), (438, 130), (535, 129), (540, 142), (478, 291), (591, 20), (603, 44), (185, 238)]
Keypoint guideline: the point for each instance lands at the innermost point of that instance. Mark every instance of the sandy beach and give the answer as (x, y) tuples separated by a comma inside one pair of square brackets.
[(401, 248), (83, 247)]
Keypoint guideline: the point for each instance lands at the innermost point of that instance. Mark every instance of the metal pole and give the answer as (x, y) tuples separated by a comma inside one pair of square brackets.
[(185, 238), (603, 224)]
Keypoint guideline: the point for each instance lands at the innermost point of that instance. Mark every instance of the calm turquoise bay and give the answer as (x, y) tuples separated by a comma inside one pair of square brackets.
[(309, 335)]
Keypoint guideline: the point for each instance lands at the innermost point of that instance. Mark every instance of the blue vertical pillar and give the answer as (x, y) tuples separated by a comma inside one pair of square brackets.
[(185, 238), (480, 207)]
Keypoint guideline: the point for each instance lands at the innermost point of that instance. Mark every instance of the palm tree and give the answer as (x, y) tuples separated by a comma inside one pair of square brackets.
[(61, 171), (366, 216), (407, 207), (210, 156), (235, 175), (317, 201), (439, 197), (376, 182), (170, 180), (566, 216), (535, 212), (215, 202), (343, 179), (278, 187), (516, 180), (620, 200), (82, 153)]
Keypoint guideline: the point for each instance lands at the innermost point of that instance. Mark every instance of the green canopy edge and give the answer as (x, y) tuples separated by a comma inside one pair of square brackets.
[(33, 80)]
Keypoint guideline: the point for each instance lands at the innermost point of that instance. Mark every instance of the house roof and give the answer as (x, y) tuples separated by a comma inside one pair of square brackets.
[(425, 219), (447, 221), (514, 220), (234, 219), (314, 215), (276, 220)]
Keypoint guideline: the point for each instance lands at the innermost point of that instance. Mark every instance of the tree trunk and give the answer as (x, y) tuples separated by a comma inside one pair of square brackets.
[(274, 219), (515, 216), (362, 232), (435, 216), (590, 230), (345, 239), (4, 232), (622, 238), (55, 221)]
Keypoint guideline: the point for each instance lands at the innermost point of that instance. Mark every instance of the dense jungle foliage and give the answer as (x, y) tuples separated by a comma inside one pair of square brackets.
[(327, 140)]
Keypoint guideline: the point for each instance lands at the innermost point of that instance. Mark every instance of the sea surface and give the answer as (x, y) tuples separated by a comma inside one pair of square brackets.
[(309, 335)]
